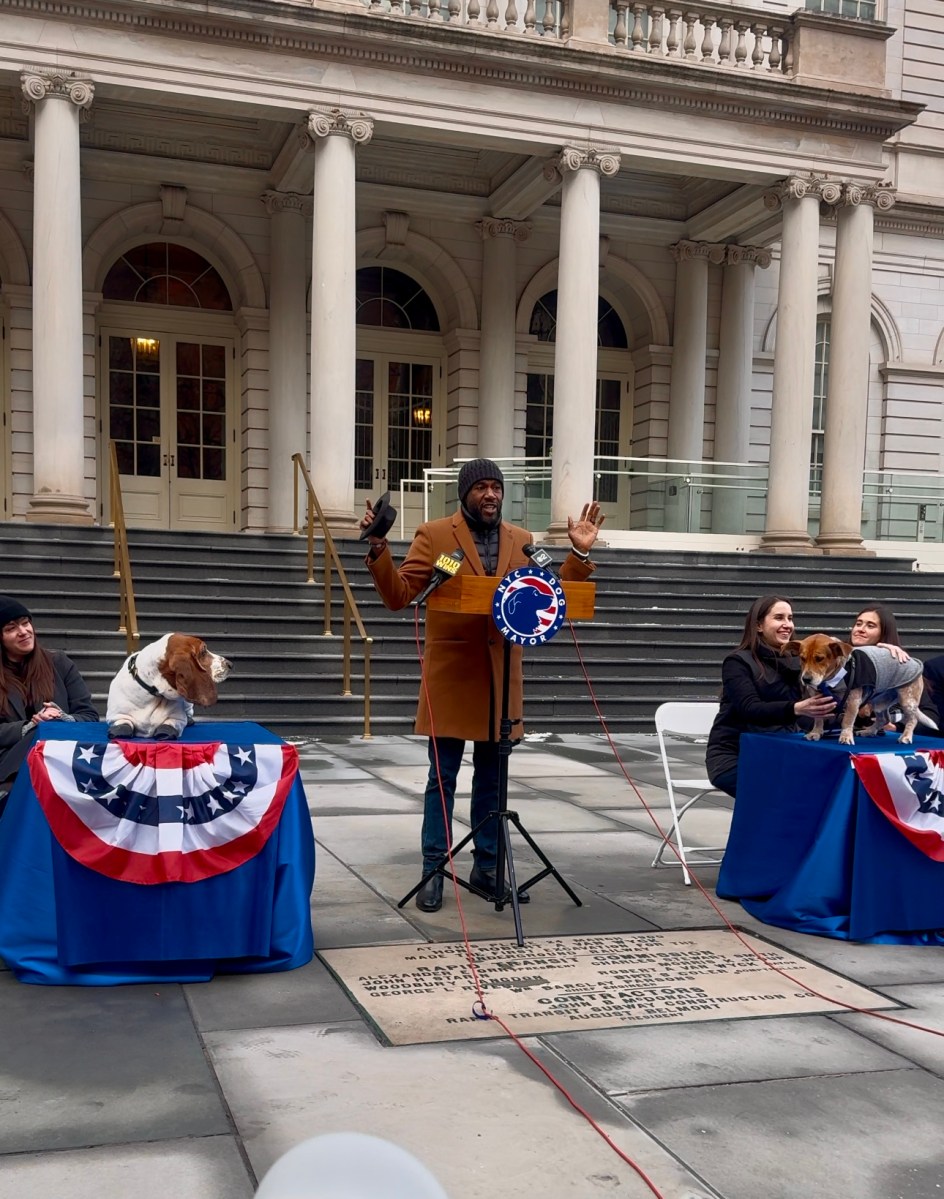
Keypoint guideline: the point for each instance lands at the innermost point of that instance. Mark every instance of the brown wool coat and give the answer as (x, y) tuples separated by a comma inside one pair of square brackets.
[(464, 654)]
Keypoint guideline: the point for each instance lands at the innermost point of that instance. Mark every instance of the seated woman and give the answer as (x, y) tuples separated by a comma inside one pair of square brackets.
[(36, 685), (760, 689), (876, 625)]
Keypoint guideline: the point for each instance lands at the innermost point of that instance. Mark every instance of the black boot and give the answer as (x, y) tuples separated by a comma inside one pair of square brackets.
[(429, 896)]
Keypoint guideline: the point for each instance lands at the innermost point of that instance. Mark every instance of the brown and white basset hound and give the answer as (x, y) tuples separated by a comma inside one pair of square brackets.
[(153, 693)]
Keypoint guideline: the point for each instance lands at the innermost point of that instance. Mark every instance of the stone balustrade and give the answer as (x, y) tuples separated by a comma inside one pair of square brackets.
[(719, 34), (806, 47), (530, 18)]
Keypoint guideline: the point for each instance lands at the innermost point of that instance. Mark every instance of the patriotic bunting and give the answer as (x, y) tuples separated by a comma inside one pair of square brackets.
[(909, 790), (160, 812)]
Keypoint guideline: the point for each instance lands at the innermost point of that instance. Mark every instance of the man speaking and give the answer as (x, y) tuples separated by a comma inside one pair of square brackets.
[(464, 654)]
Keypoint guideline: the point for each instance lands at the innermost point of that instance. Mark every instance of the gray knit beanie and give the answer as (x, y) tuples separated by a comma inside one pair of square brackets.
[(11, 609), (475, 471)]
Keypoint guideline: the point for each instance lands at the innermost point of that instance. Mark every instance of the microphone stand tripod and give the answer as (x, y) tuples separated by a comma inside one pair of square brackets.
[(505, 856)]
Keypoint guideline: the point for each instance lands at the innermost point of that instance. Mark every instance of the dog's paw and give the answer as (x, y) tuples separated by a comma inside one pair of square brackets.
[(846, 738), (904, 739), (813, 735), (120, 728), (165, 732)]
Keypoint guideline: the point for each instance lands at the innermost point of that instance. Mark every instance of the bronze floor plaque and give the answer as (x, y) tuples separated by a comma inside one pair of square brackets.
[(421, 993)]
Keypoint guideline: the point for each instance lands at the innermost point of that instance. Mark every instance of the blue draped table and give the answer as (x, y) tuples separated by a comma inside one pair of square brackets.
[(63, 923), (810, 851)]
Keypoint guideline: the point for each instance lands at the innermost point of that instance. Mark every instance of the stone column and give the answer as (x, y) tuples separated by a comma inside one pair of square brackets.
[(59, 100), (791, 419), (497, 351), (333, 318), (735, 381), (288, 366), (575, 351), (847, 397), (687, 391)]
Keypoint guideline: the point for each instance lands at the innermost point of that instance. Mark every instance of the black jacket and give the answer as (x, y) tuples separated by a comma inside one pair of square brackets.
[(69, 692), (932, 701), (754, 699)]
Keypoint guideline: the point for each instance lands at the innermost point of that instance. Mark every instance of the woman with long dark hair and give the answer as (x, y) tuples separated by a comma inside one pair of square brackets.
[(876, 625), (36, 685), (760, 689)]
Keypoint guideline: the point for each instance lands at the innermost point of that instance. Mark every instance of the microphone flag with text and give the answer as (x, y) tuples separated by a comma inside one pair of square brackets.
[(445, 567), (540, 557)]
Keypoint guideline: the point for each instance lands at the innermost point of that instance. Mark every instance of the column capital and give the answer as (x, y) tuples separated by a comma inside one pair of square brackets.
[(323, 122), (799, 187), (877, 195), (747, 256), (594, 158), (491, 226), (687, 251), (40, 84), (275, 201)]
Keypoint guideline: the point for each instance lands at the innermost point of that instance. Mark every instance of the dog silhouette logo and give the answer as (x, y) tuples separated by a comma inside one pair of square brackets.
[(529, 606)]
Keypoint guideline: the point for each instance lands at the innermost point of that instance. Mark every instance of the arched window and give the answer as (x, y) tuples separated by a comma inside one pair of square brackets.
[(168, 399), (398, 382), (610, 331), (388, 299), (539, 415), (162, 272)]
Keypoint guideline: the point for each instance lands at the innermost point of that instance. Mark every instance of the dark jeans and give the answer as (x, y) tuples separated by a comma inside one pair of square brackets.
[(484, 799)]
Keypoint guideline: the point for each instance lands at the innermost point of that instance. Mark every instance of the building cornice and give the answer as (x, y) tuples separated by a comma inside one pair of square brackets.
[(504, 59)]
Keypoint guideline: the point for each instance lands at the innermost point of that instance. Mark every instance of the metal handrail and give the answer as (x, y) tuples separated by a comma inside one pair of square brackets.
[(127, 612), (332, 562)]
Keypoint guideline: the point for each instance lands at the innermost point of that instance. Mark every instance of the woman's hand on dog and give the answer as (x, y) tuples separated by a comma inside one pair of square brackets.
[(815, 706)]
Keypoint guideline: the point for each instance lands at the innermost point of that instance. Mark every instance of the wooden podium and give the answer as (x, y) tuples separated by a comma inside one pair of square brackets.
[(472, 595)]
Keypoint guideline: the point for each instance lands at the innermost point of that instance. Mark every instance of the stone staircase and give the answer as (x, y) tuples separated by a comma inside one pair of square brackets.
[(664, 622)]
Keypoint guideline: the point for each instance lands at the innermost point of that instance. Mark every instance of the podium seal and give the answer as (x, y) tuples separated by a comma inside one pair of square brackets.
[(529, 606)]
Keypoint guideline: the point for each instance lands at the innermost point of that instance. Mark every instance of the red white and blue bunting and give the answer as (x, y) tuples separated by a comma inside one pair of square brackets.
[(160, 812), (909, 790)]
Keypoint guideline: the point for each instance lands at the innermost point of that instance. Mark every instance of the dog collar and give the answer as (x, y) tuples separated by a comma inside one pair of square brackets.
[(132, 670)]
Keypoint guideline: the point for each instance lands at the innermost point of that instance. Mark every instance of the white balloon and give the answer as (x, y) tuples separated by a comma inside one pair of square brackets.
[(348, 1165)]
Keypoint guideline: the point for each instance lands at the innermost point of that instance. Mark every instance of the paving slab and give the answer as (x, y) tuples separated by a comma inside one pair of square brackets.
[(482, 1118), (100, 1065), (627, 1061), (196, 1168), (807, 1138), (924, 1007), (309, 995), (347, 910)]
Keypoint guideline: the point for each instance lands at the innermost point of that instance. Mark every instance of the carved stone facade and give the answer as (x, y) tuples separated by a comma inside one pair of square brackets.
[(662, 212)]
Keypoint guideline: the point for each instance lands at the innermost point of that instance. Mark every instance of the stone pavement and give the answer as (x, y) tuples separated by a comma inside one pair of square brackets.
[(193, 1091)]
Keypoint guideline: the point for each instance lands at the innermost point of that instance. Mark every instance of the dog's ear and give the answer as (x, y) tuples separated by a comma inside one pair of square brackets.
[(840, 650), (188, 673), (790, 647)]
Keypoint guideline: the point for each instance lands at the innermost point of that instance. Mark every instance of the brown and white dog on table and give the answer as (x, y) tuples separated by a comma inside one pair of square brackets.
[(856, 676), (153, 693)]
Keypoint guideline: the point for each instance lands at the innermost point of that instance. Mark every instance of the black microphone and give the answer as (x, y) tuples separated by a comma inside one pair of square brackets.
[(540, 557), (445, 567)]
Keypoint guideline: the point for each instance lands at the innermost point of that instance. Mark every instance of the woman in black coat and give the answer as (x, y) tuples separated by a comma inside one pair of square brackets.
[(760, 689), (36, 685)]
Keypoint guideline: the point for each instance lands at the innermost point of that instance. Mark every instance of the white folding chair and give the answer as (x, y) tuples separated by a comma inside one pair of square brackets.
[(685, 720)]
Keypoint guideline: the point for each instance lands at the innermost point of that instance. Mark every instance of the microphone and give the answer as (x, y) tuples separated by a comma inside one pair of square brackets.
[(540, 557), (445, 567)]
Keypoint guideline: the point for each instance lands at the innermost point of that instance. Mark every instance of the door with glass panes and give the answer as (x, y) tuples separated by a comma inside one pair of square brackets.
[(168, 408), (397, 430)]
